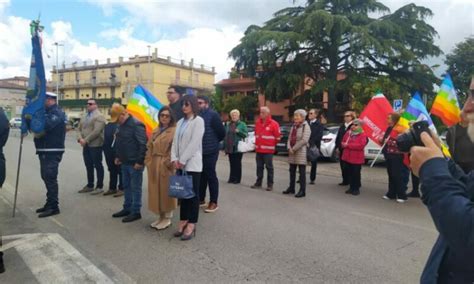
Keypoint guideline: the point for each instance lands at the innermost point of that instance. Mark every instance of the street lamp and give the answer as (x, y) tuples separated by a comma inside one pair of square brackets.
[(57, 66), (149, 67)]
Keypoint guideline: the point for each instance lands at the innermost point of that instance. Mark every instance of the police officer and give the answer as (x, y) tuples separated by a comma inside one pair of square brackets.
[(50, 149)]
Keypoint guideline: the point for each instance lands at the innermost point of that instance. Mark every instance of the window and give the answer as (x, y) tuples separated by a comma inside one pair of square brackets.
[(87, 95), (126, 73), (105, 95), (178, 75), (196, 77), (99, 95), (123, 95)]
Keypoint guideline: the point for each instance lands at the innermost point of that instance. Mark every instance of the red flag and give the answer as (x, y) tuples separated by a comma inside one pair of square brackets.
[(374, 117)]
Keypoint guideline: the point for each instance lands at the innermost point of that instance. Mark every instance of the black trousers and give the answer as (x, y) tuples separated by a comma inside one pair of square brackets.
[(2, 167), (115, 174), (267, 161), (209, 177), (302, 172), (344, 170), (49, 164), (189, 208), (93, 160), (395, 169), (235, 161), (353, 176), (314, 167)]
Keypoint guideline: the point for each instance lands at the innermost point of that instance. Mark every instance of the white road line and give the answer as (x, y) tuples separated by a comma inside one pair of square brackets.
[(52, 259)]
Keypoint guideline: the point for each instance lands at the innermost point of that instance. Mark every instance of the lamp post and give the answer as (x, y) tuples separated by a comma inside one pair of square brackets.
[(149, 67), (57, 67)]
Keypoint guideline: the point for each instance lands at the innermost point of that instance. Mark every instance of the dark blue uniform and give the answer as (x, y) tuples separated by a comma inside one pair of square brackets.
[(50, 149)]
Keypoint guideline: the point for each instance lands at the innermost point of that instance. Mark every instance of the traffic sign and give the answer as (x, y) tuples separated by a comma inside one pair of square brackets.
[(397, 105)]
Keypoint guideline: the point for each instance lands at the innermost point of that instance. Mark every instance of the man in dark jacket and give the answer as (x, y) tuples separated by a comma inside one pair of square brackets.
[(448, 194), (174, 95), (349, 116), (115, 175), (4, 131), (317, 130), (130, 150), (214, 133), (50, 149)]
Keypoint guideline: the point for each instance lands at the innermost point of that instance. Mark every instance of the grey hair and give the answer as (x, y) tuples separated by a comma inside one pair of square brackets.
[(301, 112), (235, 111), (265, 109), (358, 121)]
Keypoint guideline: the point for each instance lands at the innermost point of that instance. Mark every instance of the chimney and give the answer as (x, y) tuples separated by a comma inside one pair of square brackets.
[(182, 62), (191, 63), (108, 60), (202, 66), (120, 59), (96, 62), (169, 59), (155, 53), (84, 63), (213, 69)]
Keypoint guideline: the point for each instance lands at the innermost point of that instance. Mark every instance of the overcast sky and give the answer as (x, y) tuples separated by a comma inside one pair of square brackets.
[(205, 30)]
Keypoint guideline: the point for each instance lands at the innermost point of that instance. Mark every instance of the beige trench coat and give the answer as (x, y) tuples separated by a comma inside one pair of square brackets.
[(159, 167), (302, 136)]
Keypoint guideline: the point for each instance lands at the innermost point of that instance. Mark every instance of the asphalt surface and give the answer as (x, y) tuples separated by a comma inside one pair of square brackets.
[(255, 236)]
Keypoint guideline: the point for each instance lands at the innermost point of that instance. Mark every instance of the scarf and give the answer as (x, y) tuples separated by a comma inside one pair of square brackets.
[(231, 137), (294, 131)]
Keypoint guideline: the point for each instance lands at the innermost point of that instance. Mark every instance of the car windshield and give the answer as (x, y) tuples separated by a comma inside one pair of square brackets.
[(332, 130)]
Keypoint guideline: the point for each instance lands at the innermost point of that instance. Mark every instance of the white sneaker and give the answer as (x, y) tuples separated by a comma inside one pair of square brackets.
[(401, 200), (97, 191), (385, 197)]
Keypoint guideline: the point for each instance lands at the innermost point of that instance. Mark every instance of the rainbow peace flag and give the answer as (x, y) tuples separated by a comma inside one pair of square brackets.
[(144, 107), (416, 111), (446, 105)]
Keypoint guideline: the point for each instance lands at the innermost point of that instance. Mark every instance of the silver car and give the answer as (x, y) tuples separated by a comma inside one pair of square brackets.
[(328, 143)]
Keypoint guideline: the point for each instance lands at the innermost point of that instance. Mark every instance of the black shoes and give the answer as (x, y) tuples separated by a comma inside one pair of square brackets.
[(300, 194), (343, 184), (132, 217), (311, 182), (413, 194), (288, 191), (256, 186), (121, 213), (48, 212), (42, 209), (353, 192)]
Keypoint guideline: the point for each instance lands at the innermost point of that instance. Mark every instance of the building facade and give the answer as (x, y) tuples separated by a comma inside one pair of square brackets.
[(110, 81), (12, 95)]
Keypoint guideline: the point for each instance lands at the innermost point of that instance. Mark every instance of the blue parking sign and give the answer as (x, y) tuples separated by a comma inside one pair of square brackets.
[(397, 105)]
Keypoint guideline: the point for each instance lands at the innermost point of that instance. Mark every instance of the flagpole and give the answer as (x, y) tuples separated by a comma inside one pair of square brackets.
[(378, 154), (17, 175)]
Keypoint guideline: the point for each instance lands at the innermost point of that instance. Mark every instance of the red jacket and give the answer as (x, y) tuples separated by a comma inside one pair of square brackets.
[(267, 134), (354, 150)]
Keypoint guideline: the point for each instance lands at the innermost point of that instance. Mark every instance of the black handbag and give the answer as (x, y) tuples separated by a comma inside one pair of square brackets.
[(312, 153)]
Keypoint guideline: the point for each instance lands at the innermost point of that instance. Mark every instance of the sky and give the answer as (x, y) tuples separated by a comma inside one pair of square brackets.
[(205, 30)]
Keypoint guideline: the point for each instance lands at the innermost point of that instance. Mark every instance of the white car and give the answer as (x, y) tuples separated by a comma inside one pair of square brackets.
[(15, 122), (371, 150), (328, 143)]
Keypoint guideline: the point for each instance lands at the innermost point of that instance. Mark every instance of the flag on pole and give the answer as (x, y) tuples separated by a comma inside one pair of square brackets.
[(374, 117), (446, 105), (33, 114), (416, 111), (144, 107)]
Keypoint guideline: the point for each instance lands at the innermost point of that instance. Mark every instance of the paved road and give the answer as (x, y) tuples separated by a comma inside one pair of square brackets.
[(256, 236)]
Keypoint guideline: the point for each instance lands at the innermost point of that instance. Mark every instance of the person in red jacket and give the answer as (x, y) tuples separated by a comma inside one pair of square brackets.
[(353, 143), (267, 134)]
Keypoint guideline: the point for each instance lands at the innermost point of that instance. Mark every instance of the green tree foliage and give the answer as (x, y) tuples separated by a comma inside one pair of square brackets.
[(461, 65), (244, 103), (326, 38)]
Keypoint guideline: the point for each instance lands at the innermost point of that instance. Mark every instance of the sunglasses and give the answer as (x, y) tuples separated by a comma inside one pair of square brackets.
[(186, 104), (164, 115), (90, 104), (355, 124)]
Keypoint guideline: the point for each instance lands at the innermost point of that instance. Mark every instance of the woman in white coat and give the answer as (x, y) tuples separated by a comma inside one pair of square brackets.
[(186, 155)]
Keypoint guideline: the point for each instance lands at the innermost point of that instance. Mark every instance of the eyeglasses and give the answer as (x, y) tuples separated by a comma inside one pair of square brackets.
[(355, 125), (347, 115), (90, 104), (201, 103), (164, 115), (186, 104)]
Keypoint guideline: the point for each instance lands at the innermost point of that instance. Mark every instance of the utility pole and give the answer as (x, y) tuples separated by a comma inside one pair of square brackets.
[(57, 68)]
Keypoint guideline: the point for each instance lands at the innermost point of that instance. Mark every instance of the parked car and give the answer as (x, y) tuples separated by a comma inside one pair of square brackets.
[(281, 145), (328, 143), (250, 134), (371, 150), (15, 122)]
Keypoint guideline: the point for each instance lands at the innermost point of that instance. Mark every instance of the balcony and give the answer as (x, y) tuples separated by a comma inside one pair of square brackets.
[(195, 84), (89, 83), (81, 103)]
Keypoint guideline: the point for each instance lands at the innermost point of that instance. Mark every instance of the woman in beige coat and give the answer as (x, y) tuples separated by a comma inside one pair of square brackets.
[(160, 168), (297, 145)]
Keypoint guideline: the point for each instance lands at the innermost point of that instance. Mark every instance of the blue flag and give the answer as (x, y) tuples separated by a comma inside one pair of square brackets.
[(33, 115)]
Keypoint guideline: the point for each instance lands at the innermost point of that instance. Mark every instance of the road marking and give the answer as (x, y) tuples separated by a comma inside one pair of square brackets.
[(57, 222), (392, 221), (52, 259)]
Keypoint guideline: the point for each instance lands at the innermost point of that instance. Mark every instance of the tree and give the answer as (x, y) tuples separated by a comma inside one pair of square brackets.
[(246, 104), (327, 38), (461, 65)]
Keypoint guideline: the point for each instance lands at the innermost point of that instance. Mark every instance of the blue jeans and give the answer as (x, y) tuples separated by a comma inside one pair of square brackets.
[(132, 188)]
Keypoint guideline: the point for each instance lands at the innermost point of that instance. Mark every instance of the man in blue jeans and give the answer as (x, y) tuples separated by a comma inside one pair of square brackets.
[(130, 150), (214, 132)]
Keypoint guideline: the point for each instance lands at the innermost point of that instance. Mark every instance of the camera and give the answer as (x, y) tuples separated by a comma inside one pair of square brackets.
[(412, 138)]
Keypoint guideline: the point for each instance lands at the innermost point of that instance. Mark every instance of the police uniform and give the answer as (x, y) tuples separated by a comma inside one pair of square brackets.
[(50, 149)]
